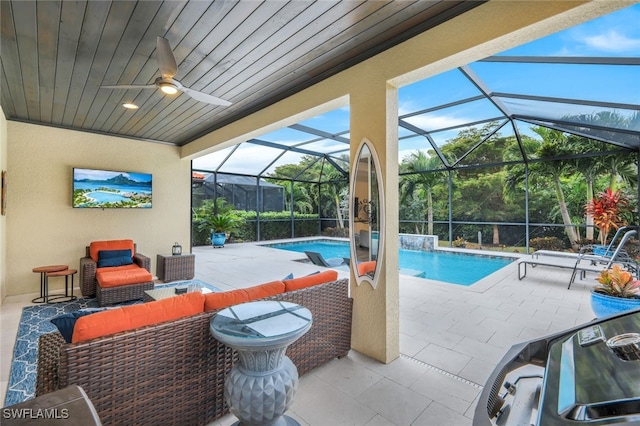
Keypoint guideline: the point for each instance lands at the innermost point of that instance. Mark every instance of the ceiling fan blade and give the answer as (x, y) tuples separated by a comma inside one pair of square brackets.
[(166, 60), (130, 86), (203, 97)]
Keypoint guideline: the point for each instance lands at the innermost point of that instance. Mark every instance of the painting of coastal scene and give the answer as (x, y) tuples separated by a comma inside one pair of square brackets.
[(110, 189)]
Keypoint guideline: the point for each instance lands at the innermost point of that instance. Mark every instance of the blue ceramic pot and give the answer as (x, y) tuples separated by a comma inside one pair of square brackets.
[(604, 305), (218, 239)]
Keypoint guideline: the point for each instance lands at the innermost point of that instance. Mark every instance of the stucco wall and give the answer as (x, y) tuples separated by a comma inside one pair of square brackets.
[(43, 228)]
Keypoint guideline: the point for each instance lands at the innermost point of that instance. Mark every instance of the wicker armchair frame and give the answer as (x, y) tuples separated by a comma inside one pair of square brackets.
[(106, 296), (121, 293), (173, 373)]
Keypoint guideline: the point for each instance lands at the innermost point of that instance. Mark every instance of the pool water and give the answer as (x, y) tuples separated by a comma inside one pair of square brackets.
[(455, 268)]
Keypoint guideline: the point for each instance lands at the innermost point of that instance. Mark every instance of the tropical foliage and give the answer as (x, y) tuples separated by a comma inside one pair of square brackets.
[(606, 210), (618, 283), (318, 186), (478, 180), (216, 216)]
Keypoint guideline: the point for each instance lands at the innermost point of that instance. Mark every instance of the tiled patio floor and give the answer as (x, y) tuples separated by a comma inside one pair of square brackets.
[(451, 338)]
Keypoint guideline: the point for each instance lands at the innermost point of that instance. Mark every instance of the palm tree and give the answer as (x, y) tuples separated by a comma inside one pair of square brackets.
[(620, 168), (335, 188), (419, 181), (590, 168), (553, 147)]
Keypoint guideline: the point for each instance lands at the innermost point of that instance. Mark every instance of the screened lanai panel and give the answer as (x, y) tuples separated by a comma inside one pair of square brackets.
[(335, 122), (582, 115), (327, 146), (529, 139), (249, 156), (598, 83), (212, 161), (455, 143), (615, 139), (404, 133), (287, 136), (279, 166), (414, 144), (342, 161), (441, 89), (454, 116), (501, 146)]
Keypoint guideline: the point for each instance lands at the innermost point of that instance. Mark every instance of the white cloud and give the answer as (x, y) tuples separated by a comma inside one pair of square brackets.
[(434, 122), (612, 41)]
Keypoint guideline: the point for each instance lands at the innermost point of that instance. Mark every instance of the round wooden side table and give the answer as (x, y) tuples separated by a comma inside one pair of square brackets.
[(67, 296), (44, 285)]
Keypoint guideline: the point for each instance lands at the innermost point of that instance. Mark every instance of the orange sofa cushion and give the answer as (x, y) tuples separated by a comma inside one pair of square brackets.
[(265, 290), (214, 301), (310, 280), (97, 246), (122, 275), (134, 316)]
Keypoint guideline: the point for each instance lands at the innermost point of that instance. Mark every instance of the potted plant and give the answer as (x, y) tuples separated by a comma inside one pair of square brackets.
[(221, 225), (617, 292), (218, 219)]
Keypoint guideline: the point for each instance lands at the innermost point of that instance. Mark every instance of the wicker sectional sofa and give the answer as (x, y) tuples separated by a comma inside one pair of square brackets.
[(173, 372)]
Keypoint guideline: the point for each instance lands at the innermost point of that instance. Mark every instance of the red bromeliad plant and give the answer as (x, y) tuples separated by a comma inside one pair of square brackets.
[(606, 211)]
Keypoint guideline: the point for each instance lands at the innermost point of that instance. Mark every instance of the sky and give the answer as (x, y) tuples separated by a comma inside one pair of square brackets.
[(613, 35), (79, 174)]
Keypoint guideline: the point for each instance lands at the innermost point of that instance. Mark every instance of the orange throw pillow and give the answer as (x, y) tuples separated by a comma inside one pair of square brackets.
[(365, 267), (134, 316), (310, 280)]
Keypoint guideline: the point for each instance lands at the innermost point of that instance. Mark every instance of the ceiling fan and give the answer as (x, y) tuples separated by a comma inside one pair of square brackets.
[(166, 83)]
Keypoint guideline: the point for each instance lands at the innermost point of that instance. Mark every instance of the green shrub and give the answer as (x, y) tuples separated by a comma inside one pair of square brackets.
[(546, 243), (273, 226)]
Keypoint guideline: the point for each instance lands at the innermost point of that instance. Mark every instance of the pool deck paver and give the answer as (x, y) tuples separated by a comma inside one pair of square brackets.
[(451, 338)]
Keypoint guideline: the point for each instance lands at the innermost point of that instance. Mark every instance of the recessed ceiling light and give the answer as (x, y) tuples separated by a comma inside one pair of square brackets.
[(130, 106)]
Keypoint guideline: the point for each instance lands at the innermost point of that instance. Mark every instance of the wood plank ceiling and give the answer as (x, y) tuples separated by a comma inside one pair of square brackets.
[(56, 55)]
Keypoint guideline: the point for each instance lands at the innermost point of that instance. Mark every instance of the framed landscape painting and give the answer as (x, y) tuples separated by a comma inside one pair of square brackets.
[(111, 189)]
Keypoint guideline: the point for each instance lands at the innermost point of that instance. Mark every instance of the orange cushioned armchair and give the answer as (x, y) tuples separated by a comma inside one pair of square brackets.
[(114, 272)]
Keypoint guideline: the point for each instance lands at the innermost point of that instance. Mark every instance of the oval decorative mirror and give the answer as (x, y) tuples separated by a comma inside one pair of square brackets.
[(366, 218)]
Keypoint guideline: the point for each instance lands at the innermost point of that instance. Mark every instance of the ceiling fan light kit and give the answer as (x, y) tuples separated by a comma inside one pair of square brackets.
[(166, 83), (168, 88)]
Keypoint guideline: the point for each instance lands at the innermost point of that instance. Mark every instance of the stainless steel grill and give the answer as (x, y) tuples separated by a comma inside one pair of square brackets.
[(589, 374)]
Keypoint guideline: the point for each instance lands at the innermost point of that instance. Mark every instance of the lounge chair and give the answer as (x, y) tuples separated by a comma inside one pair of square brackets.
[(317, 259), (594, 248), (583, 262), (607, 259)]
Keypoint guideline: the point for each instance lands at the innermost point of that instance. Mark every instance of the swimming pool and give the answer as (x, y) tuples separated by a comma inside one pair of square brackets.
[(455, 268)]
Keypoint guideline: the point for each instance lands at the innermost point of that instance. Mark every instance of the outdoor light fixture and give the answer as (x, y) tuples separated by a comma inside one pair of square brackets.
[(168, 88), (129, 105), (176, 250)]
